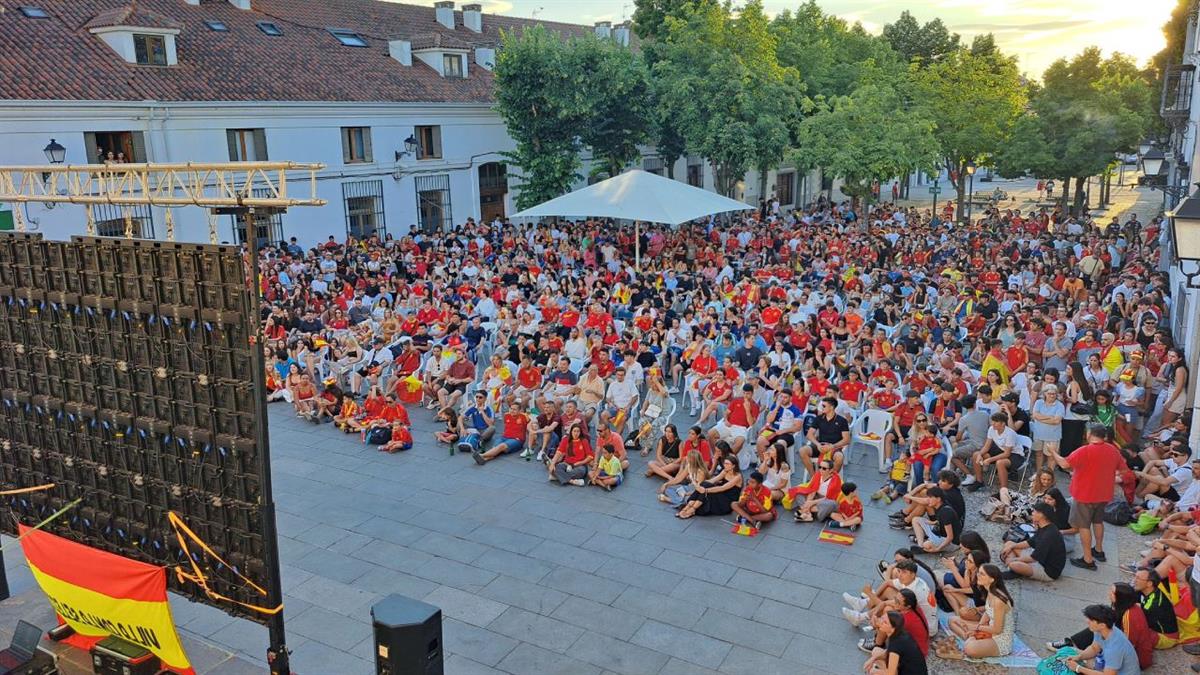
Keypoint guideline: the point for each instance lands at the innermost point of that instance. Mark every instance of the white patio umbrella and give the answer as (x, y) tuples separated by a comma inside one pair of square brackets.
[(638, 196)]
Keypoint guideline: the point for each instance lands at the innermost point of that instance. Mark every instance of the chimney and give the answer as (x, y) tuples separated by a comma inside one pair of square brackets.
[(445, 13), (621, 33), (241, 4), (485, 57), (401, 50), (603, 29), (473, 17)]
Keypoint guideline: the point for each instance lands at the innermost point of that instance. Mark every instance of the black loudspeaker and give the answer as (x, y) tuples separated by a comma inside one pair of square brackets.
[(408, 637)]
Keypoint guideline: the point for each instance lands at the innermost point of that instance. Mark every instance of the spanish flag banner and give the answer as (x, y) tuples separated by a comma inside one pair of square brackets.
[(100, 594), (840, 537)]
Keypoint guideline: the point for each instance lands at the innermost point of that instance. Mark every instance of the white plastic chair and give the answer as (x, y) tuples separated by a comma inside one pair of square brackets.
[(877, 422)]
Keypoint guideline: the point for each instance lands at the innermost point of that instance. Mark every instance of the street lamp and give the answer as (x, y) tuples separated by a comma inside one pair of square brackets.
[(970, 190), (1185, 235), (1152, 162), (411, 146), (1144, 146), (1152, 165), (55, 153)]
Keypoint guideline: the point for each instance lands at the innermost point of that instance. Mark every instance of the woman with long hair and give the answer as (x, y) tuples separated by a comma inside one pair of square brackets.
[(1174, 376), (992, 635), (1077, 391), (900, 653)]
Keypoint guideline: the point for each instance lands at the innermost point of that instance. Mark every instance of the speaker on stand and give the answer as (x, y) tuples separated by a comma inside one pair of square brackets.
[(408, 637)]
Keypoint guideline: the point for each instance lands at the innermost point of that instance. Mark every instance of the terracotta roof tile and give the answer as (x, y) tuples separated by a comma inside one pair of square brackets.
[(58, 59), (131, 15)]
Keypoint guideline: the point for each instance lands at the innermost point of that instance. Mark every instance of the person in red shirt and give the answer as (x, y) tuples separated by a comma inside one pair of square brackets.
[(886, 398), (1018, 354), (754, 506), (716, 394), (695, 443), (884, 372), (516, 433), (529, 376), (740, 415), (852, 388), (574, 456), (1094, 470), (401, 439)]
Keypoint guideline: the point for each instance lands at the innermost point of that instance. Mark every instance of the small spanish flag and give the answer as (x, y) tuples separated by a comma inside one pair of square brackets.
[(744, 530), (840, 537)]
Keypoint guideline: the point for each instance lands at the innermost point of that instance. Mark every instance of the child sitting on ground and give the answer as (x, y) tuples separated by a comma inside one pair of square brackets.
[(450, 434), (897, 482), (848, 513), (401, 439), (610, 473)]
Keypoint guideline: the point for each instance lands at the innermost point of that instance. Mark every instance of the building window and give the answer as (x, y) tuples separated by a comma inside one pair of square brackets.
[(785, 187), (150, 50), (695, 174), (269, 225), (218, 26), (348, 37), (433, 203), (115, 147), (430, 140), (653, 165), (356, 144), (452, 65), (34, 12), (247, 145), (110, 220), (363, 201), (269, 28)]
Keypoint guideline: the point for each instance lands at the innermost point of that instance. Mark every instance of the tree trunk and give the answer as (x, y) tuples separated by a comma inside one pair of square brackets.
[(959, 172), (1080, 197), (1066, 190), (671, 167)]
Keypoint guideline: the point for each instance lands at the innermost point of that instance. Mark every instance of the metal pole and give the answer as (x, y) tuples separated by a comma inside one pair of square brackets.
[(971, 197), (277, 652), (4, 593)]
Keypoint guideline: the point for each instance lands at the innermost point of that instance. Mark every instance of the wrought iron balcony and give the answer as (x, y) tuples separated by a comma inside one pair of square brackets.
[(1177, 91)]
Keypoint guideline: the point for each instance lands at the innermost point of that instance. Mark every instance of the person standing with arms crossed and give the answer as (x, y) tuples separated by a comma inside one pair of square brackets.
[(1093, 469)]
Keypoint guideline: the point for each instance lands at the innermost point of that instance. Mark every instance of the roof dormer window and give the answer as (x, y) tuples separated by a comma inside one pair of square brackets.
[(452, 65), (34, 12), (217, 26), (150, 50), (348, 37), (269, 28)]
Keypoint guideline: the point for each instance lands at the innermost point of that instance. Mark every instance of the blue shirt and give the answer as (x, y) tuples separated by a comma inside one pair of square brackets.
[(474, 417), (1117, 653)]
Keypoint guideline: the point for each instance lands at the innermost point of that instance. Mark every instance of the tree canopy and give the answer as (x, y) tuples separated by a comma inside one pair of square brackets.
[(922, 43)]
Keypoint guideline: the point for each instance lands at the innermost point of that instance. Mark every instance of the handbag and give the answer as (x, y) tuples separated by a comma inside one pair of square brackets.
[(1083, 408)]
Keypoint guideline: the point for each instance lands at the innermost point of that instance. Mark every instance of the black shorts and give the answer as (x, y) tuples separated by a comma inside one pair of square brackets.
[(459, 386), (787, 439), (1171, 494)]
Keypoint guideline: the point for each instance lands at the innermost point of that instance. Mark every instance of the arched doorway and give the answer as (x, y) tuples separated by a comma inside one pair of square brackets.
[(493, 186)]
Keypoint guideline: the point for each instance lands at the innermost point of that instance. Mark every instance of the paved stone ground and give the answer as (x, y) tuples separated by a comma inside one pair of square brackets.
[(535, 578)]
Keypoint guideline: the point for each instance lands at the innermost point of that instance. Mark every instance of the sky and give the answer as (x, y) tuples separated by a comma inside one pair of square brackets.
[(1037, 31)]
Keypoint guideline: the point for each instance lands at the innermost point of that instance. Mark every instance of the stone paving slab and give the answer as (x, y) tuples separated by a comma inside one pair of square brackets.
[(536, 578)]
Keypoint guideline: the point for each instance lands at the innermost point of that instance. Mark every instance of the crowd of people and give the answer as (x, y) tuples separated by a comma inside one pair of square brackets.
[(1001, 351)]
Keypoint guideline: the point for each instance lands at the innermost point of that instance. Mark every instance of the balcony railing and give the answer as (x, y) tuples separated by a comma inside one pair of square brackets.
[(1177, 91)]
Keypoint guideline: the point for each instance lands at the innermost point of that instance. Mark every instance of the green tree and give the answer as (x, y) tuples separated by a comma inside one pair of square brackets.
[(974, 102), (732, 101), (830, 54), (921, 43), (616, 100), (872, 134), (1085, 110), (650, 16), (535, 98)]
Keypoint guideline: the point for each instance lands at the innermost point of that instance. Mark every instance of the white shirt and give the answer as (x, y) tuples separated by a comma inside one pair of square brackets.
[(924, 600), (622, 392), (1006, 439)]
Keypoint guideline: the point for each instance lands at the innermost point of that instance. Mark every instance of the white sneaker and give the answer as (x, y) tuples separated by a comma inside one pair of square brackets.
[(672, 390), (855, 618), (855, 602), (541, 457), (578, 482), (969, 480)]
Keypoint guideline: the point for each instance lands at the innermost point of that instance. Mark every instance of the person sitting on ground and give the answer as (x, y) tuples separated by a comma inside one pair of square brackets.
[(777, 475), (873, 602), (1158, 608), (990, 636), (401, 439), (516, 431), (901, 654), (755, 506), (941, 531), (825, 484), (666, 460), (1132, 619), (896, 485), (572, 459), (917, 502), (304, 397), (1119, 655), (544, 431), (828, 436), (476, 425), (1166, 478), (715, 496), (608, 473), (1041, 558), (677, 490), (606, 434), (960, 586), (848, 509), (914, 625), (449, 435)]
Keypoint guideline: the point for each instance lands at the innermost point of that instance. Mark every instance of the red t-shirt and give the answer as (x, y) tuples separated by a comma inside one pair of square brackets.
[(754, 499), (1096, 466), (918, 629), (515, 425), (737, 413), (701, 447), (851, 389)]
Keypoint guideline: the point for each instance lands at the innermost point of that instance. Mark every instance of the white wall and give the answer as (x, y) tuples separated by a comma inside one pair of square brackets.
[(471, 135)]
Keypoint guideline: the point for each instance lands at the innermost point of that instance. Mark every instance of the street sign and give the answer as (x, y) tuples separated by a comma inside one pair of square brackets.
[(934, 189)]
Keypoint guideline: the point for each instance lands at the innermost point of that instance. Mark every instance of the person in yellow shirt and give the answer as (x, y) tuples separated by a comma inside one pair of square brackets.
[(609, 474)]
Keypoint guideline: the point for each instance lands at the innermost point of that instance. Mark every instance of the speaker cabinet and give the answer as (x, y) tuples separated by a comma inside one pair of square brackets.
[(408, 637)]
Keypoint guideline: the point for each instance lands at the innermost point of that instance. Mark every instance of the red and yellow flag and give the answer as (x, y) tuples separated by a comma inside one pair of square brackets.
[(840, 537), (100, 594)]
